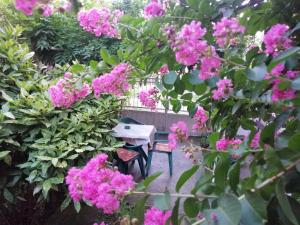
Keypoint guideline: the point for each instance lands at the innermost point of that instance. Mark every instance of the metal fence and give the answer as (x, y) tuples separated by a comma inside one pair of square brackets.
[(133, 102)]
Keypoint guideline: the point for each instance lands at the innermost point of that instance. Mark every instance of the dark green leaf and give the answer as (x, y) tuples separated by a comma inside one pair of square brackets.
[(185, 176), (139, 210), (191, 207), (283, 56), (234, 176), (8, 195), (221, 172)]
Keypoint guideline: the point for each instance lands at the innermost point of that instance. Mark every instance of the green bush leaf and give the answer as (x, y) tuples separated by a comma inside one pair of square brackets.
[(257, 73), (145, 183), (185, 176), (221, 172), (194, 78), (163, 202), (191, 207), (3, 154), (296, 84), (283, 56), (170, 78), (234, 176), (77, 206), (139, 210)]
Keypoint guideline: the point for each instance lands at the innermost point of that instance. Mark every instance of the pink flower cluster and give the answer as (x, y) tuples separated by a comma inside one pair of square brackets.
[(100, 21), (114, 82), (179, 132), (200, 118), (26, 6), (209, 64), (224, 89), (275, 39), (64, 94), (277, 93), (154, 216), (149, 98), (255, 141), (153, 9), (189, 46), (225, 143), (96, 183), (47, 10), (226, 31)]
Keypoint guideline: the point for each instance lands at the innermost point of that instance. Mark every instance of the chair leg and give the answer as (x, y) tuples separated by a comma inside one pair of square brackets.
[(170, 163), (141, 165), (125, 168), (149, 162)]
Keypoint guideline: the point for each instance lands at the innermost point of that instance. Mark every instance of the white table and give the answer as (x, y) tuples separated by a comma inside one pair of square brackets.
[(137, 134)]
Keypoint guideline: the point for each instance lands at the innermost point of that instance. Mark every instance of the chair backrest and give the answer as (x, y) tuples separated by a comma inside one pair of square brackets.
[(133, 147), (129, 120)]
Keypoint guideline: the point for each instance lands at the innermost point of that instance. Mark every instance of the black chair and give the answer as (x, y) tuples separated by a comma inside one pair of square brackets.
[(127, 155)]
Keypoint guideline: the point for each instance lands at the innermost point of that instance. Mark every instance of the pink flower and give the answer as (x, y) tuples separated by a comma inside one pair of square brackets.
[(102, 223), (154, 216), (291, 74), (114, 82), (255, 141), (149, 98), (153, 9), (64, 94), (213, 216), (100, 21), (224, 89), (277, 70), (209, 65), (164, 69), (179, 133), (222, 144), (278, 94), (275, 39), (26, 6), (200, 118), (101, 186), (188, 45), (47, 10), (226, 31)]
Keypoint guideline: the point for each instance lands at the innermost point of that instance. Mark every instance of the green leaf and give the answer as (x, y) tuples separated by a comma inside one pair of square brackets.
[(194, 78), (175, 213), (213, 138), (296, 84), (6, 96), (77, 206), (228, 211), (170, 78), (283, 56), (185, 176), (294, 142), (8, 195), (139, 210), (28, 56), (3, 154), (145, 183), (109, 59), (253, 210), (234, 176), (65, 203), (267, 134), (284, 202), (221, 172), (257, 73), (191, 207), (163, 202), (46, 187), (77, 68)]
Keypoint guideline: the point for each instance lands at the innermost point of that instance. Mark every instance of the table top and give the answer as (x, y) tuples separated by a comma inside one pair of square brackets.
[(144, 133)]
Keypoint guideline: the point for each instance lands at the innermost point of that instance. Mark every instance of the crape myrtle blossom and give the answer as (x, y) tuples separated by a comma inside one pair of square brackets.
[(225, 143), (98, 184), (200, 118), (153, 9), (154, 216), (47, 10), (226, 31), (275, 39), (149, 98), (164, 69), (64, 94), (255, 141), (188, 44), (279, 71), (100, 21), (210, 64), (179, 132), (114, 82), (26, 6), (224, 89)]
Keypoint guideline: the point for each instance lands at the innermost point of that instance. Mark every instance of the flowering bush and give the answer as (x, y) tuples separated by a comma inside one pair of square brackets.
[(96, 183), (149, 98)]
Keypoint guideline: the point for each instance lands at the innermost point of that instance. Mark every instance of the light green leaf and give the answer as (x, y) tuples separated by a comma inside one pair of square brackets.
[(257, 73), (170, 78), (3, 154)]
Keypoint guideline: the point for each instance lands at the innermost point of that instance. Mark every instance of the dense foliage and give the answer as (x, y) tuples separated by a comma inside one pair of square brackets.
[(39, 142)]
